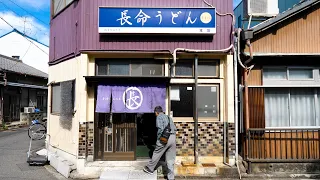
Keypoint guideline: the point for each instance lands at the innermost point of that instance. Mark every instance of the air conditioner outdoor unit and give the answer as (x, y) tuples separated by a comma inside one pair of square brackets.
[(29, 109), (260, 8)]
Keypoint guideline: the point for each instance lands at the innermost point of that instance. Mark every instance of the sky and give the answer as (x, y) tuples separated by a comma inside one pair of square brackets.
[(32, 17)]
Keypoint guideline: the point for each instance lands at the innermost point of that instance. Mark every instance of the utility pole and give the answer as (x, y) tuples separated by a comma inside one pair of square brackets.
[(1, 95), (24, 25)]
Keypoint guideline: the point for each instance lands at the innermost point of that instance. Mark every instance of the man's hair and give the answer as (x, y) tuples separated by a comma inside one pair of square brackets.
[(158, 109)]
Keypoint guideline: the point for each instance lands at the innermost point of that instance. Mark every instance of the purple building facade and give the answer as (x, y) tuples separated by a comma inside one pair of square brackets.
[(75, 29), (135, 55)]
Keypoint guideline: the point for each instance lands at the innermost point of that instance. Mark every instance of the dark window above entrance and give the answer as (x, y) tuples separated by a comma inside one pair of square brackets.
[(184, 68), (125, 67), (118, 68), (207, 68)]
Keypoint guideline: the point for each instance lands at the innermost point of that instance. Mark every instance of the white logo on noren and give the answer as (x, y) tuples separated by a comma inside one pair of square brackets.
[(132, 98)]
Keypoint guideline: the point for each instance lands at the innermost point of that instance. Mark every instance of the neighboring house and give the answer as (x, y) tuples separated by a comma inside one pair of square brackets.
[(281, 114), (30, 51), (88, 63), (242, 22), (20, 86)]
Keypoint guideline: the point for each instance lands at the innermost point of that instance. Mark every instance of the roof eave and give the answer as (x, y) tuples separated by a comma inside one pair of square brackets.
[(282, 17), (257, 54), (22, 34), (43, 77)]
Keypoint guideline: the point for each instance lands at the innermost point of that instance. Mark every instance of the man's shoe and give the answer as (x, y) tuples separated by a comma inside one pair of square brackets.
[(147, 170)]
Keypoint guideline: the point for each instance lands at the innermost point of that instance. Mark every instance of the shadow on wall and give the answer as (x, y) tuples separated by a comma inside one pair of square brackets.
[(153, 38), (67, 104)]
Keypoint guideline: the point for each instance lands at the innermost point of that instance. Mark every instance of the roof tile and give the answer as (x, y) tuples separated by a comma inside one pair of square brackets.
[(17, 66)]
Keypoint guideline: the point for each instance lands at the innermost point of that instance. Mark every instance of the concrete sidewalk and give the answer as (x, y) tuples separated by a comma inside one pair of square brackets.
[(127, 175)]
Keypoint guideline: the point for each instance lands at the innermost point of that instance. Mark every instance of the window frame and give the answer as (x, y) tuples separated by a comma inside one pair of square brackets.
[(51, 96), (153, 62), (289, 82), (170, 101), (192, 67), (218, 86), (218, 102), (217, 61), (217, 68), (108, 69), (43, 97), (301, 68), (131, 62), (272, 67), (73, 97), (316, 91)]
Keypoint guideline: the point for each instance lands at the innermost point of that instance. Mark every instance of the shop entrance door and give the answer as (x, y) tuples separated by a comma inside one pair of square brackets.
[(117, 137), (146, 135)]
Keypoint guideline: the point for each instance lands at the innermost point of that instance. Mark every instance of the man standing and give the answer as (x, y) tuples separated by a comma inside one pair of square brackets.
[(168, 149)]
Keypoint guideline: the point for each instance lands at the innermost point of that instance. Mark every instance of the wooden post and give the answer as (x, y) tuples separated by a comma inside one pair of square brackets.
[(246, 107)]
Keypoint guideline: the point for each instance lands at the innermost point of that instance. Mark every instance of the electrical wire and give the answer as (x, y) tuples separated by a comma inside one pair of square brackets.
[(233, 23), (24, 35), (28, 12), (26, 51), (222, 14), (22, 17), (8, 69)]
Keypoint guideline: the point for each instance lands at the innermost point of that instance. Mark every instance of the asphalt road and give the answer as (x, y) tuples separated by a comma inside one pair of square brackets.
[(13, 157)]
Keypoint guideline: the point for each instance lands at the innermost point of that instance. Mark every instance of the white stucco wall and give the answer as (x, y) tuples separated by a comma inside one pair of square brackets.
[(65, 142), (14, 44), (229, 88)]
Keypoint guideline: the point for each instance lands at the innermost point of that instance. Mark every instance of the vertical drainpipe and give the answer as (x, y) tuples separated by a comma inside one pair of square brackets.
[(246, 102), (196, 153), (1, 106), (236, 100), (236, 104)]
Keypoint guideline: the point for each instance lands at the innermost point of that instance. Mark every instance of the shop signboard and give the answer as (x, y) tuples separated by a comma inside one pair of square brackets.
[(118, 20), (130, 99)]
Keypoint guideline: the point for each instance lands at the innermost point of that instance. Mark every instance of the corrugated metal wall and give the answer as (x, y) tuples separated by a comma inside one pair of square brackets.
[(299, 35), (63, 29), (65, 32), (255, 77)]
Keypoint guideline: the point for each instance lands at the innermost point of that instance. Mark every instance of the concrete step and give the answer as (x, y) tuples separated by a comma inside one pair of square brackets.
[(203, 170), (126, 174)]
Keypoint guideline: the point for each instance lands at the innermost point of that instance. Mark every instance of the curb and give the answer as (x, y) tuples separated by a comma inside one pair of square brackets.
[(281, 176)]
